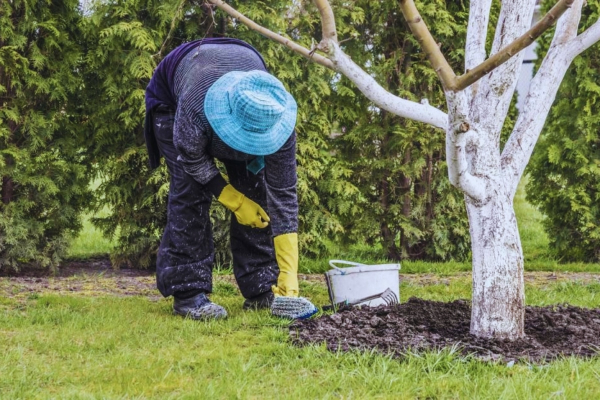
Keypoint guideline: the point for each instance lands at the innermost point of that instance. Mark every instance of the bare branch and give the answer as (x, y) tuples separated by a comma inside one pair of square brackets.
[(290, 44), (567, 26), (588, 38), (327, 21), (421, 112), (479, 16), (340, 62), (432, 50)]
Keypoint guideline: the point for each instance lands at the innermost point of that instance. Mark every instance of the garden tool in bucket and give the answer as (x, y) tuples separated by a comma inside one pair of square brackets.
[(362, 285)]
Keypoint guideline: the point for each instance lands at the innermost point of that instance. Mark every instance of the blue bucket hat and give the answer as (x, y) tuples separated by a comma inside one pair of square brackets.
[(251, 111)]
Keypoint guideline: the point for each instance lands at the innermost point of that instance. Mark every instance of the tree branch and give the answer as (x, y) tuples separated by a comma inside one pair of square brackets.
[(428, 43), (449, 80), (382, 98), (327, 21), (479, 16), (519, 44), (290, 44), (340, 62), (588, 38), (542, 92)]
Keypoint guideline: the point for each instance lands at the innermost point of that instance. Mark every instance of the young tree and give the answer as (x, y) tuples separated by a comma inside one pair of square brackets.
[(477, 106)]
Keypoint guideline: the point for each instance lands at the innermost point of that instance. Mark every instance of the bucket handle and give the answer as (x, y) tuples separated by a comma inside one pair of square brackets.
[(341, 270), (333, 262)]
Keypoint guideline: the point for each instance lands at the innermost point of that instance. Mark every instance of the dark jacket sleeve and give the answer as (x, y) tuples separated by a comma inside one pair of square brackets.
[(281, 179), (151, 145)]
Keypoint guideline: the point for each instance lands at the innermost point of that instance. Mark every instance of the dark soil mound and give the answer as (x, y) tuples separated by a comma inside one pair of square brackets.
[(419, 325)]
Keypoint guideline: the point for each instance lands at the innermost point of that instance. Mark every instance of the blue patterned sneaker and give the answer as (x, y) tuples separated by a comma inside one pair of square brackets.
[(293, 307), (198, 307)]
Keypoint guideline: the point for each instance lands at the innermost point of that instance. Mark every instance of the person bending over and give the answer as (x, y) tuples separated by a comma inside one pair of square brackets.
[(214, 99)]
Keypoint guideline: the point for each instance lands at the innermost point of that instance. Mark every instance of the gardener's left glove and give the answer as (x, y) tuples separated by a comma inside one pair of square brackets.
[(246, 211), (286, 253)]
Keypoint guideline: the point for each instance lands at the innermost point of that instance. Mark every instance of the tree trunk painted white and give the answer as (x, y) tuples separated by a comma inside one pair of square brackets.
[(498, 287), (474, 166)]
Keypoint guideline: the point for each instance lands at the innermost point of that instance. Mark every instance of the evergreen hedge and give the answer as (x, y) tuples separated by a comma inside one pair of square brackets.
[(44, 167)]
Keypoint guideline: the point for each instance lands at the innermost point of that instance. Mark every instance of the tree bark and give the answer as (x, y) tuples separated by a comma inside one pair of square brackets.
[(498, 285), (8, 185)]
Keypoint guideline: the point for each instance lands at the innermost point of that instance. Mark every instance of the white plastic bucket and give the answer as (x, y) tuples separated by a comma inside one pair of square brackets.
[(351, 284)]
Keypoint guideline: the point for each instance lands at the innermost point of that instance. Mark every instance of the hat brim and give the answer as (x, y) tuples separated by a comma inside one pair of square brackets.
[(230, 131)]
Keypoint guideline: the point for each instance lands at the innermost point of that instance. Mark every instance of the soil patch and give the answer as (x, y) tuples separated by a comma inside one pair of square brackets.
[(419, 325)]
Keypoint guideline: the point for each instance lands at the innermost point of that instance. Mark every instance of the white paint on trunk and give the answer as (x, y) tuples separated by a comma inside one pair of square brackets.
[(479, 16), (498, 287), (460, 138), (541, 95)]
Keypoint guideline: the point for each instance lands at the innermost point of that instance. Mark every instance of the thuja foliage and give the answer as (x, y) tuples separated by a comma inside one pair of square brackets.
[(124, 41), (565, 168), (42, 159)]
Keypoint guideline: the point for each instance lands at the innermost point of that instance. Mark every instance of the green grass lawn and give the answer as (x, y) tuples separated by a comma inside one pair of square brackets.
[(96, 343), (87, 347)]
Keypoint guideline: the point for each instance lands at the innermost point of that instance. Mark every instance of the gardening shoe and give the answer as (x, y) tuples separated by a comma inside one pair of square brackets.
[(259, 302), (199, 308), (293, 307)]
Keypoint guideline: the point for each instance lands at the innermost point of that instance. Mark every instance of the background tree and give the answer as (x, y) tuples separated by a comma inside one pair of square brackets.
[(565, 168), (478, 103), (43, 166)]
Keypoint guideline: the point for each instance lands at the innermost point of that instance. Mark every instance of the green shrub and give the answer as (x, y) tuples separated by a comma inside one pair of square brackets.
[(43, 163)]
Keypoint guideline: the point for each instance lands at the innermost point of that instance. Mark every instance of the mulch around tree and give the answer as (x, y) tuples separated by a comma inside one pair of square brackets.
[(420, 325)]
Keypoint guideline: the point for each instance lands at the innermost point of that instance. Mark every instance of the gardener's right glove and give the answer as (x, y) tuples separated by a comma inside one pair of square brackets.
[(286, 253), (246, 211), (287, 304)]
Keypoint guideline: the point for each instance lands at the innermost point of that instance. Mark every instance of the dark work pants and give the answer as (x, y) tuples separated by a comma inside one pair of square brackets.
[(186, 253)]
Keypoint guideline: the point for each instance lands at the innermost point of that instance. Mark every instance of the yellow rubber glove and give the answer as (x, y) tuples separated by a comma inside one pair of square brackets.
[(246, 211), (286, 253)]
